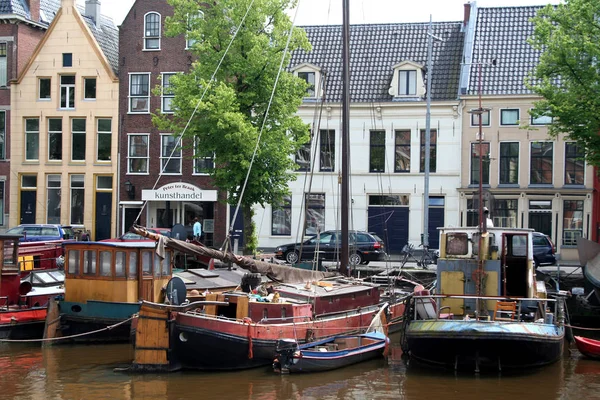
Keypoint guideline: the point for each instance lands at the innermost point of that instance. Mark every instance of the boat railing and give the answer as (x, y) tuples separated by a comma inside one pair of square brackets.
[(284, 320), (430, 307)]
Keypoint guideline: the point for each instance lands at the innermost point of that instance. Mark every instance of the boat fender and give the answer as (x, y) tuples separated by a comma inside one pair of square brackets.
[(247, 320)]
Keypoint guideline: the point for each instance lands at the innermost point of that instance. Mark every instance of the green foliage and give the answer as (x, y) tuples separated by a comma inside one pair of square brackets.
[(568, 75), (228, 120)]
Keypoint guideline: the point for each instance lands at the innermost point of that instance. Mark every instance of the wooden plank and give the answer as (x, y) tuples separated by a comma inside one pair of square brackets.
[(52, 323), (241, 310), (453, 283), (211, 310), (152, 332)]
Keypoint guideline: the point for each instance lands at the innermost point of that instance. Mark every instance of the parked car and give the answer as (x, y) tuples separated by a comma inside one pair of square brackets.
[(543, 250), (134, 237), (363, 247), (42, 232)]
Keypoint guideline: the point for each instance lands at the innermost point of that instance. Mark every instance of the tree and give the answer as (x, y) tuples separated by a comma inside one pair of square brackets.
[(568, 73), (227, 121)]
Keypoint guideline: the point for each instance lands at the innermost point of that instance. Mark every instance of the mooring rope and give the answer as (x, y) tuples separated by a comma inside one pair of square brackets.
[(582, 328), (108, 328)]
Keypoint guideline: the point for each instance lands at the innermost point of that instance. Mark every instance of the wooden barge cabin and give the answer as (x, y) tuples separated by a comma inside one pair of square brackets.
[(22, 307), (105, 283)]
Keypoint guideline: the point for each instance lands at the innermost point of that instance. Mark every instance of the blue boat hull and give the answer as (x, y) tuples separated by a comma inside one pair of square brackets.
[(484, 345), (79, 319)]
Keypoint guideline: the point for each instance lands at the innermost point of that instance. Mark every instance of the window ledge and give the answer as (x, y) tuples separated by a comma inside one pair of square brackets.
[(541, 185), (508, 185), (476, 185), (574, 187), (151, 49)]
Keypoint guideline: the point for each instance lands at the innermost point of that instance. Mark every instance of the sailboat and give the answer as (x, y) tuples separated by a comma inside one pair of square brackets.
[(238, 330)]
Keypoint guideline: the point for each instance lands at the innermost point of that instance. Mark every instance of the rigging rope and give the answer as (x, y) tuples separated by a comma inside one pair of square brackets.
[(108, 328)]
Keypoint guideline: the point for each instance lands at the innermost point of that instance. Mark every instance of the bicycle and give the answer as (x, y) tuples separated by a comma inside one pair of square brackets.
[(426, 258)]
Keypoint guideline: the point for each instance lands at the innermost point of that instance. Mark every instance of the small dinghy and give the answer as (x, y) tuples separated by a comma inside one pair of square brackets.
[(332, 353), (588, 347)]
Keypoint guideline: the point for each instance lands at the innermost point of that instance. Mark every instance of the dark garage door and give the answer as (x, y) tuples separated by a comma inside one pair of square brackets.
[(395, 219)]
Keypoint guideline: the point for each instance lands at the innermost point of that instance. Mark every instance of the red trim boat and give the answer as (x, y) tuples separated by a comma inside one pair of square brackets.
[(588, 347)]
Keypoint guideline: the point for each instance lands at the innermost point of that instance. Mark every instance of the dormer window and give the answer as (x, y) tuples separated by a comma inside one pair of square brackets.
[(309, 77), (311, 74), (407, 81)]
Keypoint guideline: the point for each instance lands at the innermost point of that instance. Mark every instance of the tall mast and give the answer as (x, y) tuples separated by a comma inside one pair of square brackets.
[(427, 138), (345, 134)]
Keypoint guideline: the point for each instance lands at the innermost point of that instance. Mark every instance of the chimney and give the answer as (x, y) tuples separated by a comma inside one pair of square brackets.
[(34, 10), (467, 14), (92, 10)]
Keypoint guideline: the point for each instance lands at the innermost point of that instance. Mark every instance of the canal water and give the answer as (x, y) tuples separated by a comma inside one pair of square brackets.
[(87, 372)]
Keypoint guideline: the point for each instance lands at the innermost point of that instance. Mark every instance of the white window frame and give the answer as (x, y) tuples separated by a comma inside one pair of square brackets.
[(172, 151), (166, 96), (474, 115), (73, 133), (501, 122), (411, 78), (541, 120), (56, 180), (99, 134), (27, 133), (148, 36), (519, 161), (95, 90), (197, 158), (309, 95), (50, 133), (130, 137), (132, 97), (3, 64), (40, 89), (69, 87), (73, 179), (190, 42), (553, 160)]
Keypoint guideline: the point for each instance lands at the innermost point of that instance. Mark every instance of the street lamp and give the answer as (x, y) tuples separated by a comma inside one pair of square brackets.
[(130, 189)]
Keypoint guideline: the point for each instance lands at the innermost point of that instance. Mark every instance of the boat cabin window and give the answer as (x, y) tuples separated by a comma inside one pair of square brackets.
[(10, 255), (133, 265), (73, 262), (147, 262), (105, 259), (166, 264), (457, 244), (157, 263), (120, 258), (89, 262), (283, 313)]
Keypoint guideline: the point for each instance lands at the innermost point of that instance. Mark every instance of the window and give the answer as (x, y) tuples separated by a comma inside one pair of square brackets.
[(327, 149), (32, 139), (204, 162), (309, 78), (167, 94), (192, 26), (139, 93), (104, 182), (377, 152), (472, 212), (541, 120), (67, 91), (485, 117), (132, 272), (67, 59), (303, 156), (505, 213), (432, 151), (105, 261), (509, 116), (315, 213), (509, 163), (78, 127), (281, 218), (3, 65), (120, 260), (407, 83), (402, 156), (2, 183), (89, 262), (574, 164), (170, 156), (89, 88), (77, 199), (484, 152), (138, 154), (45, 85), (104, 134), (2, 134), (572, 222), (74, 262), (152, 31), (541, 163), (55, 139), (53, 201)]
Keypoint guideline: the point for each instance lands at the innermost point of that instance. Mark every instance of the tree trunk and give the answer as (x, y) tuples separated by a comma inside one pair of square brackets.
[(249, 234)]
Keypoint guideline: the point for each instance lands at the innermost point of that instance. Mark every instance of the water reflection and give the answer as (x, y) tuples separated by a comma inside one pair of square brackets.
[(75, 372)]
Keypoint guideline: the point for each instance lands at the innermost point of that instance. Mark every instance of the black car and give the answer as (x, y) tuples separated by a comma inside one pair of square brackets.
[(543, 250), (363, 248)]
